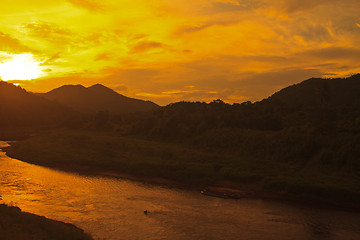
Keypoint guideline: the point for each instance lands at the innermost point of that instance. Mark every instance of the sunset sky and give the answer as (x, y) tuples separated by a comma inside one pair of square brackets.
[(172, 50)]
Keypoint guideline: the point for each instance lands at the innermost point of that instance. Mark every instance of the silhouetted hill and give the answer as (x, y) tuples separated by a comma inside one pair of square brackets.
[(97, 98), (319, 92), (16, 225), (20, 110)]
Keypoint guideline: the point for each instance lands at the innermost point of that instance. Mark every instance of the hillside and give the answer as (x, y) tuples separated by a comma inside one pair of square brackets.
[(21, 111), (97, 98), (319, 92)]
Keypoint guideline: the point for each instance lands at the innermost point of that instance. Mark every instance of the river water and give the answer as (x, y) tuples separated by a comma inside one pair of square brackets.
[(112, 208)]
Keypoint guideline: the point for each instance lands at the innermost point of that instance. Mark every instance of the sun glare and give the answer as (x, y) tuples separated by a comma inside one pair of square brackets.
[(20, 67)]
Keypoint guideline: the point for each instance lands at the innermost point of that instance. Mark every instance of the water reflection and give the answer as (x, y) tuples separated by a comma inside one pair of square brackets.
[(114, 209)]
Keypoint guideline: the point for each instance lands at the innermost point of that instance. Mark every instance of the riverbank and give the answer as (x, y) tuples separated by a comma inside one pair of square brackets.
[(179, 166), (18, 225)]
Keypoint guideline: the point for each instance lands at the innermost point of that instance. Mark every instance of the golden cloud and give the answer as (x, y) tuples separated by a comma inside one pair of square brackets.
[(12, 45)]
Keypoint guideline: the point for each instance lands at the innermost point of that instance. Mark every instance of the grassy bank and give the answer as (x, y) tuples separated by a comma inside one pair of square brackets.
[(18, 225), (101, 151)]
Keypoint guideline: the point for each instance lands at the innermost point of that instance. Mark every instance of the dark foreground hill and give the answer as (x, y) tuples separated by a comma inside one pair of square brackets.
[(18, 225), (97, 98), (22, 111)]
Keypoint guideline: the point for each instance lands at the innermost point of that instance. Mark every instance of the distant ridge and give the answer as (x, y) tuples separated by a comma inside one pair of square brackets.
[(97, 98)]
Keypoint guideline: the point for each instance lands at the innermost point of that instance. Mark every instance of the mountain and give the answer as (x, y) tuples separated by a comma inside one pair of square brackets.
[(20, 110), (97, 98), (319, 92)]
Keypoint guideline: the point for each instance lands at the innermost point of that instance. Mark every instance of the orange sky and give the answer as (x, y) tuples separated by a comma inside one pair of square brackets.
[(172, 50)]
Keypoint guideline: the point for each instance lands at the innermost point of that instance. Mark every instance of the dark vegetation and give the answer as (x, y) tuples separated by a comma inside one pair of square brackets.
[(18, 225), (304, 141)]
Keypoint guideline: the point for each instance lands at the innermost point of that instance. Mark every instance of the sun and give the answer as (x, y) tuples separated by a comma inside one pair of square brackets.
[(20, 67)]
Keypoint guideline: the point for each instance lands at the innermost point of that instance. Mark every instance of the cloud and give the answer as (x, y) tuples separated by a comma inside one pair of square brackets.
[(51, 60), (292, 6), (219, 13), (221, 21), (49, 32), (121, 88), (103, 56), (181, 94), (4, 57), (314, 32), (88, 4), (226, 6), (145, 46), (132, 78), (153, 95), (333, 54), (257, 58), (191, 29), (12, 45)]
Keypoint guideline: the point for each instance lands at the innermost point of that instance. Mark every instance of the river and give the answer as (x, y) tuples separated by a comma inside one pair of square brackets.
[(113, 208)]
